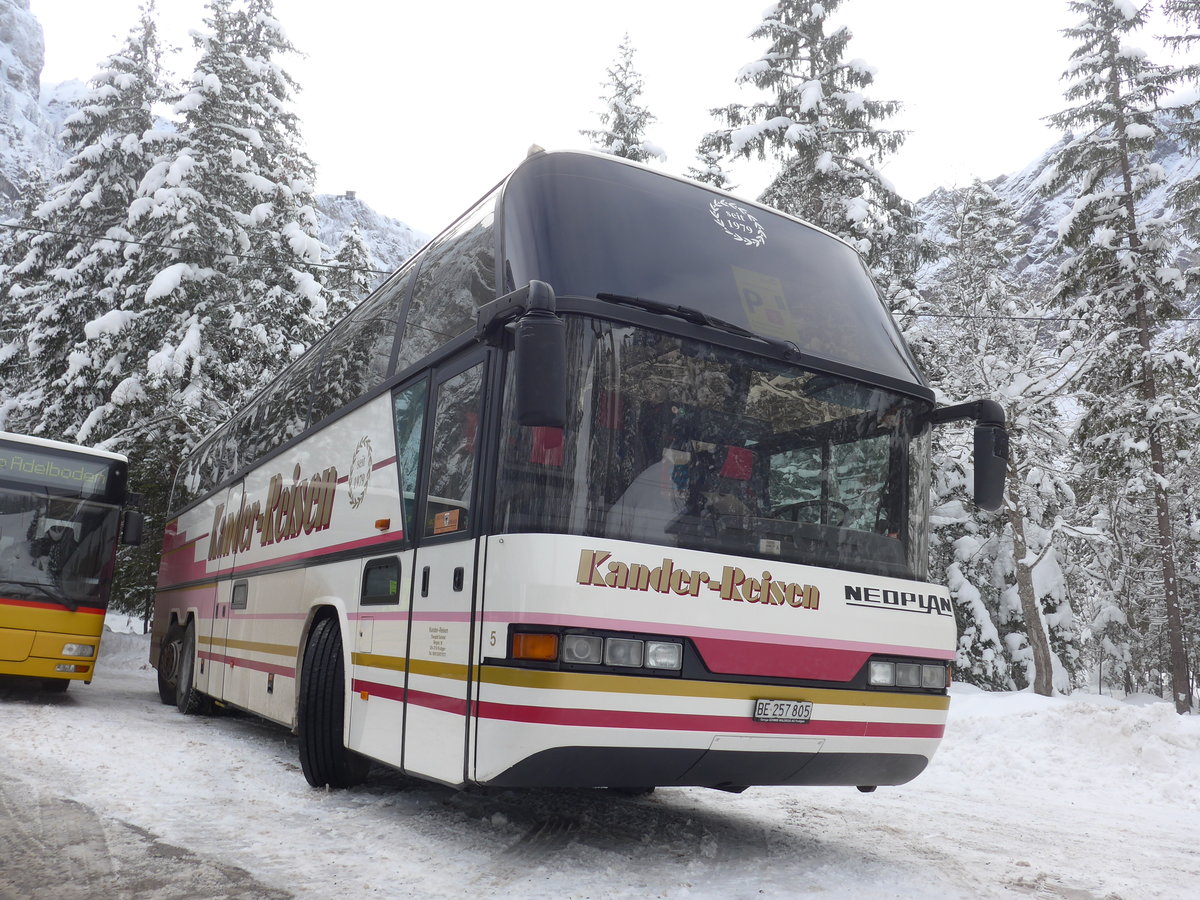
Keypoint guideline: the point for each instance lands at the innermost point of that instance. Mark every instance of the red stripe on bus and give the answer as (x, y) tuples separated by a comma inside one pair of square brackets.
[(238, 662), (48, 604), (322, 551), (383, 463), (651, 721), (426, 699), (609, 718)]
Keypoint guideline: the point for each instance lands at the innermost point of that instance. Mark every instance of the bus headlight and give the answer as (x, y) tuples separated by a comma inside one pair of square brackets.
[(78, 649), (908, 675), (664, 655), (623, 652), (933, 676), (882, 674), (582, 648)]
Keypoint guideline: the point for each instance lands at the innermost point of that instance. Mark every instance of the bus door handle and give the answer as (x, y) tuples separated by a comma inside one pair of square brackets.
[(458, 578), (425, 582)]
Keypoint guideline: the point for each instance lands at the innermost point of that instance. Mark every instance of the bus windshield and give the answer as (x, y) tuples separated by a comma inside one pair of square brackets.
[(59, 520), (680, 443)]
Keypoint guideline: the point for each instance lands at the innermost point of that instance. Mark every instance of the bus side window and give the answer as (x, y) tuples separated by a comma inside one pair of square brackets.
[(381, 581), (452, 455), (409, 406), (360, 349), (457, 275)]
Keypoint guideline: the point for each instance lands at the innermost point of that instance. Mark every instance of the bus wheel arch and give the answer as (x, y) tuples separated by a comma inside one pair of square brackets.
[(321, 709)]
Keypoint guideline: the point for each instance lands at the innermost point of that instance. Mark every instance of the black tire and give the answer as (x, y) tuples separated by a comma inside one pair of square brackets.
[(168, 664), (189, 701), (324, 759), (56, 685)]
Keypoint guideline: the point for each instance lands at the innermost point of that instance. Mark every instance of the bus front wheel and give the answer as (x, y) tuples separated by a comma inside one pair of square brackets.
[(322, 712)]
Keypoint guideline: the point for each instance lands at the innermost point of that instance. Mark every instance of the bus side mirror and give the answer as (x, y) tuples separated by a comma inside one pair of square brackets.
[(131, 534), (991, 447), (540, 362), (991, 466)]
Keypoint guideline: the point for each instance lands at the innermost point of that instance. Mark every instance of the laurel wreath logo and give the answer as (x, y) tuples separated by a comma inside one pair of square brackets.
[(737, 222), (360, 472)]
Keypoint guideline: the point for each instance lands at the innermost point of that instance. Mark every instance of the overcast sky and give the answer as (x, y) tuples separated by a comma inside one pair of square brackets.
[(421, 106)]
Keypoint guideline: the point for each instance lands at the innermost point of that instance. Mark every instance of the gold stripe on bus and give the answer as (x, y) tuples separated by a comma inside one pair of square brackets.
[(434, 669), (255, 646), (632, 684), (206, 586)]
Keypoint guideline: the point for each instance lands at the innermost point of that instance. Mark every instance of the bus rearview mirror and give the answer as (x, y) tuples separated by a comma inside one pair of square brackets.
[(991, 466), (131, 534), (540, 362)]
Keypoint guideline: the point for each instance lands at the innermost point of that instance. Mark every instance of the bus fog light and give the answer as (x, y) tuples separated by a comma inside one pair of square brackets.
[(78, 649), (908, 675), (69, 668), (933, 676), (622, 652), (882, 673), (582, 648), (664, 655)]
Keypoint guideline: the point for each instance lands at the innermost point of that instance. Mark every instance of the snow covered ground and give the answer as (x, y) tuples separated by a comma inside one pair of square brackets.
[(107, 793)]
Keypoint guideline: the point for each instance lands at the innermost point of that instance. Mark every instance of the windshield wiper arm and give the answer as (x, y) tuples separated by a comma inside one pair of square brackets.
[(696, 317), (57, 598)]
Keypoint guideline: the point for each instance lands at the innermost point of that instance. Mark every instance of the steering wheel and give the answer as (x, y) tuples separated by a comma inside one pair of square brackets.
[(836, 512)]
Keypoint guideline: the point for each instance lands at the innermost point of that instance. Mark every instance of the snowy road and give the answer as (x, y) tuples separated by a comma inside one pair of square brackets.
[(108, 794)]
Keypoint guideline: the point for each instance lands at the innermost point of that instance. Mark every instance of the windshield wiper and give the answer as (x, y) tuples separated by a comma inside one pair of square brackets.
[(785, 348), (61, 598)]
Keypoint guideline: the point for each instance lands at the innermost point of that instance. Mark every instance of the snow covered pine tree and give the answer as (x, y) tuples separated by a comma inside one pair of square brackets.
[(1124, 281), (624, 119)]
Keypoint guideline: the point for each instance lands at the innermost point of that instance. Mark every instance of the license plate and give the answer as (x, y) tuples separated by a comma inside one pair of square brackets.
[(799, 711)]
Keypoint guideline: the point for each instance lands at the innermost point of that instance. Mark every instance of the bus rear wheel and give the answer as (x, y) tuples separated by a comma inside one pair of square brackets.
[(188, 700), (168, 665), (324, 758)]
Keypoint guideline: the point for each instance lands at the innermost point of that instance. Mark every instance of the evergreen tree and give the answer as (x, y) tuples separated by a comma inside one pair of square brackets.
[(352, 275), (224, 294), (1186, 14), (1123, 281), (710, 165), (228, 296), (71, 262), (825, 133), (624, 120), (984, 339)]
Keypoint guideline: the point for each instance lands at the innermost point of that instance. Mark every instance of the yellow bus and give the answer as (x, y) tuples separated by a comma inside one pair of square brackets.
[(60, 517)]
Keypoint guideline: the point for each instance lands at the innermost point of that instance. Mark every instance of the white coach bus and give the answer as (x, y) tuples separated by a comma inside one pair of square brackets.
[(620, 481)]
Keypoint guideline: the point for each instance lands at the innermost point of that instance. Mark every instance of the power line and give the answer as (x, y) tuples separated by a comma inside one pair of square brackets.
[(1042, 319)]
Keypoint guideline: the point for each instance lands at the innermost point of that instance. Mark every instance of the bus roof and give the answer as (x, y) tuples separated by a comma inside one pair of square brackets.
[(61, 446), (590, 224)]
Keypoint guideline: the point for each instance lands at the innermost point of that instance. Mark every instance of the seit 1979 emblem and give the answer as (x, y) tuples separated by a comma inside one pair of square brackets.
[(360, 473), (737, 222)]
